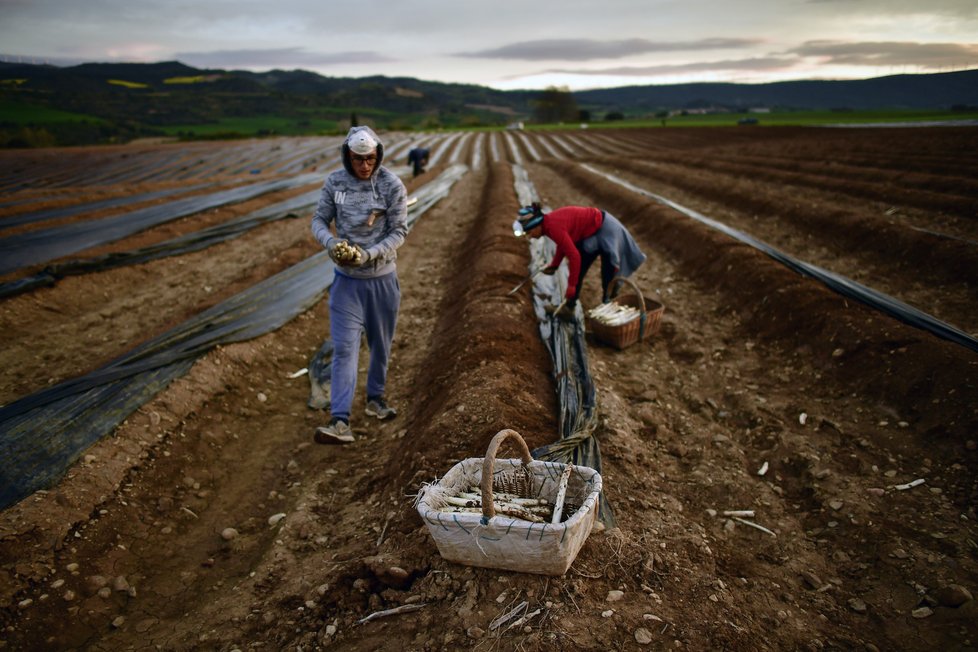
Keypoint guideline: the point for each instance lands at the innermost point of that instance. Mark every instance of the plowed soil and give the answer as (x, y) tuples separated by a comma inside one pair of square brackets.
[(762, 391)]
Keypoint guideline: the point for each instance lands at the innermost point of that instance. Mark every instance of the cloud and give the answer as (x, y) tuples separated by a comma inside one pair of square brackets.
[(897, 8), (590, 49), (753, 64), (278, 58), (889, 53)]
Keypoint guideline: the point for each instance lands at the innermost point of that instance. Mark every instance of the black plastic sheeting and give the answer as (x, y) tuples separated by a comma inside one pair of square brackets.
[(576, 394), (836, 282), (42, 434), (89, 207), (175, 246), (43, 245)]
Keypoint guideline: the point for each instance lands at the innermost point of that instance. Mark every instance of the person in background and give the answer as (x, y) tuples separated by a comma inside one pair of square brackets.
[(366, 204), (582, 234), (418, 158)]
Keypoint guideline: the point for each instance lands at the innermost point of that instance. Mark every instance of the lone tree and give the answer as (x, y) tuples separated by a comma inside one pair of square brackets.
[(555, 105)]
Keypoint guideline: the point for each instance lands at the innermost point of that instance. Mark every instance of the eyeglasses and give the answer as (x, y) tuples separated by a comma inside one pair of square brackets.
[(369, 160)]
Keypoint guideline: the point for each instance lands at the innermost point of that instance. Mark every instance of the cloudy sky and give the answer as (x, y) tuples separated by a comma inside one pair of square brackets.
[(506, 44)]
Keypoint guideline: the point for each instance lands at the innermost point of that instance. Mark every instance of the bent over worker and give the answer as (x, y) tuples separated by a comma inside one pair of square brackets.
[(582, 234), (418, 159), (366, 204)]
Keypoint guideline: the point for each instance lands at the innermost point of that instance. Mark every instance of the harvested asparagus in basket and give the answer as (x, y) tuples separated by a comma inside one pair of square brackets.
[(529, 509), (536, 510), (476, 493), (613, 314), (467, 500), (532, 504), (504, 509)]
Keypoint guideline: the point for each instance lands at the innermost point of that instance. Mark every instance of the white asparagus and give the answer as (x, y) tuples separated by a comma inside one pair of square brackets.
[(619, 321), (504, 495), (611, 310), (754, 525), (522, 620), (909, 485), (513, 510), (561, 494), (602, 308), (404, 608), (600, 311), (506, 498), (613, 314), (458, 501), (509, 615), (749, 513)]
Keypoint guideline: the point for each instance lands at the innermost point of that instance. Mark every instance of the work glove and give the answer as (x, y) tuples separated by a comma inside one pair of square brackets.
[(335, 249), (566, 312), (347, 255), (549, 270), (362, 256)]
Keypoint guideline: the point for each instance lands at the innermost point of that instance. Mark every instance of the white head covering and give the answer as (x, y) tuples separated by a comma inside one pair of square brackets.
[(362, 143)]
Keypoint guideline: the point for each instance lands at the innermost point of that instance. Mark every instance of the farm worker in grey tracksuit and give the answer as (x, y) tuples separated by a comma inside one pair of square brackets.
[(367, 205)]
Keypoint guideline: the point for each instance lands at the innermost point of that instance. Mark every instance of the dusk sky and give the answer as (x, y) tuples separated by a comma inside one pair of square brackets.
[(509, 45)]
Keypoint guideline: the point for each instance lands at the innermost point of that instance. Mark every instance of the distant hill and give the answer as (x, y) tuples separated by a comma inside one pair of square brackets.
[(932, 91), (122, 101), (104, 102)]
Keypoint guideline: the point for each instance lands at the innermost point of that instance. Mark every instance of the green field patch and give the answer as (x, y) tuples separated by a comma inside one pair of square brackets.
[(254, 126), (198, 79), (127, 84), (777, 119), (12, 82), (25, 114)]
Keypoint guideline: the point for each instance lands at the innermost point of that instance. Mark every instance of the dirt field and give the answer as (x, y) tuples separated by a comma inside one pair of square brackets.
[(754, 366)]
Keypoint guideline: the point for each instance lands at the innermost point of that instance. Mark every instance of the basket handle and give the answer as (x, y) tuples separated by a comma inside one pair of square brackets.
[(638, 293), (641, 302), (488, 509)]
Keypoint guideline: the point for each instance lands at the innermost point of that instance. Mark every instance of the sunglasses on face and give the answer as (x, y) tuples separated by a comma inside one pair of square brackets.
[(369, 160)]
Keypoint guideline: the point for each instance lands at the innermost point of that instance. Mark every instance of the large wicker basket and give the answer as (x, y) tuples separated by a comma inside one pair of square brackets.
[(493, 540), (645, 324)]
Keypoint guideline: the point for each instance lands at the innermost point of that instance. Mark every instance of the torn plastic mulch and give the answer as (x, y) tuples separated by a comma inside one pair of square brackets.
[(576, 394), (43, 433)]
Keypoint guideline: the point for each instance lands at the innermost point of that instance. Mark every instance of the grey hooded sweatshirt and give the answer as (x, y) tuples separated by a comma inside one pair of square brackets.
[(369, 212)]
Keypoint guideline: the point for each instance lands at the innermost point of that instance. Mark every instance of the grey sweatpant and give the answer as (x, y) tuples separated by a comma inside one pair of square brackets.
[(361, 305)]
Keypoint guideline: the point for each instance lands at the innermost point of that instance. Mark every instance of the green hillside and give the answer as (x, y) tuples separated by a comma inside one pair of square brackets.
[(100, 103)]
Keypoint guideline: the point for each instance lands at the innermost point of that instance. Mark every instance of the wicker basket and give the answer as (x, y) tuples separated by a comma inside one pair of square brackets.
[(645, 325), (499, 541)]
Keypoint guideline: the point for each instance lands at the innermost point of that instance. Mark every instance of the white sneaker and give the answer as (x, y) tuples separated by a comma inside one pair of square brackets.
[(337, 432), (377, 407)]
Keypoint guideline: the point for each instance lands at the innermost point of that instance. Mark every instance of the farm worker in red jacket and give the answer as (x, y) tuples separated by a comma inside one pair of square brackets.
[(582, 234)]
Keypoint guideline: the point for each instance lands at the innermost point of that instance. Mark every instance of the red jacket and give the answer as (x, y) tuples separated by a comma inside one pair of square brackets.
[(566, 227)]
